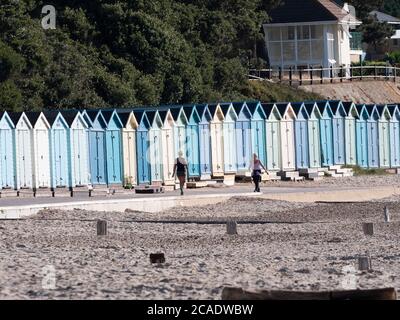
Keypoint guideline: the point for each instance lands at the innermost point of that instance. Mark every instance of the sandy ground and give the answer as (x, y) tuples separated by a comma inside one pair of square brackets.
[(293, 246)]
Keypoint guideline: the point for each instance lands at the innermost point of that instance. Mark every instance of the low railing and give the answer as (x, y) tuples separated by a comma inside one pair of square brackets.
[(311, 75)]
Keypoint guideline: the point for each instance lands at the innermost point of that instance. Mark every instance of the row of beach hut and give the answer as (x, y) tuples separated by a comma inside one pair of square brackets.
[(125, 147)]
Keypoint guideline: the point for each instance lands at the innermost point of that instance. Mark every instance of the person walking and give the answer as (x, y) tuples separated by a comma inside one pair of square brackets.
[(180, 170), (256, 166)]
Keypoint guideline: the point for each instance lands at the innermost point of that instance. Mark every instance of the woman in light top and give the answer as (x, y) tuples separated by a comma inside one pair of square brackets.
[(256, 166), (180, 170)]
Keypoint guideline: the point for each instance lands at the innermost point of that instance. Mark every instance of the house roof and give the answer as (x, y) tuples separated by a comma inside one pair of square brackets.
[(384, 17), (295, 11)]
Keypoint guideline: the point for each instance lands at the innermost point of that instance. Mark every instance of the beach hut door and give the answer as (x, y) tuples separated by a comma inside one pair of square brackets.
[(43, 161), (7, 162), (59, 157)]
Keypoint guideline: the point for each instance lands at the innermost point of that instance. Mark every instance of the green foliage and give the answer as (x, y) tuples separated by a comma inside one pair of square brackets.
[(393, 57), (375, 32), (123, 53), (358, 171), (267, 91)]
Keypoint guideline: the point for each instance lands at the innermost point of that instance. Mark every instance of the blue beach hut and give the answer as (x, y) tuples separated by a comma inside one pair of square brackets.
[(181, 122), (301, 135), (273, 136), (243, 136), (394, 134), (314, 139), (362, 136), (97, 146), (59, 159), (113, 131), (229, 138), (338, 125), (7, 162), (258, 118), (204, 141), (192, 140), (326, 133), (384, 136), (78, 148), (155, 146), (23, 150), (142, 147), (350, 132), (373, 136)]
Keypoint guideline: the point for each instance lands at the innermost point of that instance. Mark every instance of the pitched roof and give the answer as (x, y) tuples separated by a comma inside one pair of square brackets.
[(69, 115), (292, 11), (33, 116), (267, 107), (51, 116), (15, 116), (384, 17), (124, 116)]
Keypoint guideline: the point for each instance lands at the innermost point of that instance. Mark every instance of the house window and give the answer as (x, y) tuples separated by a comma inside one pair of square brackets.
[(395, 42), (288, 33), (303, 32), (274, 34)]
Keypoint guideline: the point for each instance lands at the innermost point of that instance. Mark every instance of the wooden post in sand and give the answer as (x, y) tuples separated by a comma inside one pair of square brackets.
[(231, 227), (157, 258), (387, 215), (101, 227), (364, 263), (368, 228)]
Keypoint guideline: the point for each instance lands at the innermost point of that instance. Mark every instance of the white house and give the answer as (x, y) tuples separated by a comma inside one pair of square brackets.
[(304, 33)]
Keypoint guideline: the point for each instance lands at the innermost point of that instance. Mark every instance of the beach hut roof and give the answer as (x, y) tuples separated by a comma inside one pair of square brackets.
[(213, 108), (33, 116), (267, 108), (311, 107), (335, 104), (297, 107), (15, 116), (282, 107), (69, 116), (4, 114)]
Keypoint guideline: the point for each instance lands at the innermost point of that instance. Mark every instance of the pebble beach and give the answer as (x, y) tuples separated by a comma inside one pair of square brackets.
[(280, 245)]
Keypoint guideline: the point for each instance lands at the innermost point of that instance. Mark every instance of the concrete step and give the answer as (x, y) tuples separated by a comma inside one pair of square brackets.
[(335, 167), (309, 176), (8, 193), (288, 174), (42, 192), (293, 178), (316, 179), (229, 179), (62, 192), (308, 171), (149, 189), (196, 184)]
